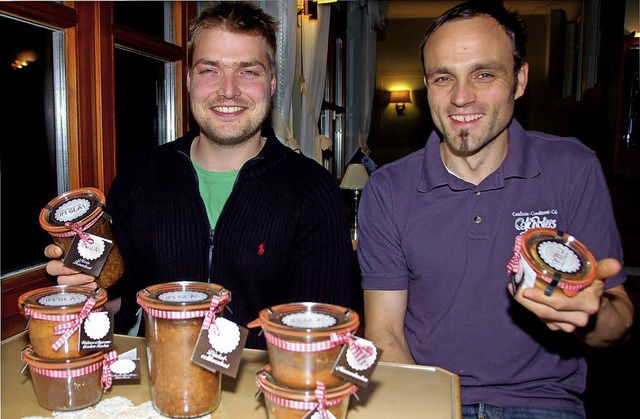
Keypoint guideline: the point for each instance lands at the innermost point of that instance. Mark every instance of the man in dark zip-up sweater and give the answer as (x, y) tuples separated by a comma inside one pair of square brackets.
[(282, 236), (276, 231)]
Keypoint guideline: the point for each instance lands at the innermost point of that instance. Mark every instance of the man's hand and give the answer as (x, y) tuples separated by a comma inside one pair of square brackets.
[(594, 315), (64, 274)]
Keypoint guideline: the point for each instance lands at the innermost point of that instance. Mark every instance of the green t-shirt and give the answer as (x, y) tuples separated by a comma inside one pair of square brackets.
[(215, 188)]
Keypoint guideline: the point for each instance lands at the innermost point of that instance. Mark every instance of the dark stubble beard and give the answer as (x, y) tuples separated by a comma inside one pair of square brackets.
[(247, 132)]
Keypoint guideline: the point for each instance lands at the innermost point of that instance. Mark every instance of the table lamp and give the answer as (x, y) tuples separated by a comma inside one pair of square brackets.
[(354, 180)]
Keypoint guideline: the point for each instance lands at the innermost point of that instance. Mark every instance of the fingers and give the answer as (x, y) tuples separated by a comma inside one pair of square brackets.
[(53, 252), (608, 267)]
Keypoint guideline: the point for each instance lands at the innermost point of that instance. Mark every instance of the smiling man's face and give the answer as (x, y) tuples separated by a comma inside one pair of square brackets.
[(230, 86)]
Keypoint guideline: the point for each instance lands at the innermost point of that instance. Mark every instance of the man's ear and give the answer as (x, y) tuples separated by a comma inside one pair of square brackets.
[(189, 81), (274, 84), (523, 79)]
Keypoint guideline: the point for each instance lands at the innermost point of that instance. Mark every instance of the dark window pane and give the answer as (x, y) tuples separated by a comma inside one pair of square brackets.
[(27, 144), (139, 80), (143, 16)]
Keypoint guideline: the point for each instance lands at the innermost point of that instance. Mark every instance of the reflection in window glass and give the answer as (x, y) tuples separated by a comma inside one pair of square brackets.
[(143, 115), (28, 144)]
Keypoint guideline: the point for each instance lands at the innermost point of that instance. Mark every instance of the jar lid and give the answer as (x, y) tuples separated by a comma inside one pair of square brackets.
[(557, 256), (181, 295), (79, 206), (267, 383), (60, 299), (295, 320), (30, 358)]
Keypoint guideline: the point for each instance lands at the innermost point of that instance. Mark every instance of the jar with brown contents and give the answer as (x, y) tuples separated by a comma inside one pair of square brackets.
[(287, 403), (49, 307), (66, 385), (81, 211), (298, 341), (173, 315)]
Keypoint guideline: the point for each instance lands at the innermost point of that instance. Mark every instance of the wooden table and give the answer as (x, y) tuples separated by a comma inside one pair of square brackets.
[(395, 391)]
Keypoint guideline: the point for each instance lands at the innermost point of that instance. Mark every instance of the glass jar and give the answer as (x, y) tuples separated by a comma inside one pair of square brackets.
[(59, 305), (81, 211), (173, 314), (287, 403), (299, 341), (553, 261), (69, 384)]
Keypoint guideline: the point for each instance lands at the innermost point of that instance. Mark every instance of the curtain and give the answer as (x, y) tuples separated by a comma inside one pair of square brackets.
[(314, 43), (285, 13), (364, 19)]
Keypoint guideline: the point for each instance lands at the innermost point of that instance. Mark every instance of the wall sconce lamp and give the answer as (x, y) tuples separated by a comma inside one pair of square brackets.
[(354, 180), (400, 97)]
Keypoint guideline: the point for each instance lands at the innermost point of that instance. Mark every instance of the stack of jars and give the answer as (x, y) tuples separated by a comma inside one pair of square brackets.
[(64, 376), (303, 343)]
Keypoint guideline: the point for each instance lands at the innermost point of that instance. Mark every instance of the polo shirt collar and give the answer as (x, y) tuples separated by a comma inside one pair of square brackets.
[(521, 162)]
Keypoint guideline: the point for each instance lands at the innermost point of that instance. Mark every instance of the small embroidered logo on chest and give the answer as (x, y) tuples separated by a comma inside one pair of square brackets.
[(261, 249)]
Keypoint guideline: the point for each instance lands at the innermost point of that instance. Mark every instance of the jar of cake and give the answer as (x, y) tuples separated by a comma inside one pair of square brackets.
[(80, 212), (551, 260), (284, 402), (174, 313), (69, 384), (304, 340), (51, 309)]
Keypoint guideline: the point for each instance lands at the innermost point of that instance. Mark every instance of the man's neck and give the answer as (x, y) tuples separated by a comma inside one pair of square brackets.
[(475, 168), (217, 158)]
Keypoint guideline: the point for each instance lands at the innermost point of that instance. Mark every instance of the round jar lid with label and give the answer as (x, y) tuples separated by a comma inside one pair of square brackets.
[(558, 257), (78, 206)]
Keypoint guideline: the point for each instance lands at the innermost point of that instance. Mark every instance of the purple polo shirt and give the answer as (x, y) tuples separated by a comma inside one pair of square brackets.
[(448, 242)]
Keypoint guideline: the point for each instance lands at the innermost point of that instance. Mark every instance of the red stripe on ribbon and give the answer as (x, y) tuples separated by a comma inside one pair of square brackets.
[(321, 398), (514, 263), (69, 328), (107, 376), (360, 351), (218, 304)]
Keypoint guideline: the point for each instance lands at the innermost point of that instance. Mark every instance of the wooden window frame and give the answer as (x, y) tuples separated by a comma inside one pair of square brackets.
[(90, 39)]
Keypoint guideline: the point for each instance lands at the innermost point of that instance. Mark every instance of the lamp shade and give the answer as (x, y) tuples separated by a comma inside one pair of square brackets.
[(355, 177), (400, 96)]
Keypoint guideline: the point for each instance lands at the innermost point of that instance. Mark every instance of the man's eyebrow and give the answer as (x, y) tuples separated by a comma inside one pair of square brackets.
[(236, 64), (476, 67)]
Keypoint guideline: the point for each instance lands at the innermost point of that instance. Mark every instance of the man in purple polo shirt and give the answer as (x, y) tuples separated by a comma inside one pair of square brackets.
[(437, 231)]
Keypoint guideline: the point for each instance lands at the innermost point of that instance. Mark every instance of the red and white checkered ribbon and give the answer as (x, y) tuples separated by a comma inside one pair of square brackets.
[(77, 228), (69, 328), (321, 398), (71, 372), (320, 404), (218, 304), (292, 346), (514, 263), (107, 377), (360, 351)]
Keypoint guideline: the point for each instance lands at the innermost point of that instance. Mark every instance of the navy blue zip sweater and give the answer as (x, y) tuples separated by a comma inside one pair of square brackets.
[(283, 235)]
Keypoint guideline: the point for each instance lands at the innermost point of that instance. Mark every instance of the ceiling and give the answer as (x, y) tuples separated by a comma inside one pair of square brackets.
[(404, 9)]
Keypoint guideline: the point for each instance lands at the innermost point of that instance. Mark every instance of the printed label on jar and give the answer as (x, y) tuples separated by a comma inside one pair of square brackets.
[(88, 254), (355, 363), (185, 296), (127, 367), (220, 347), (72, 210), (62, 299), (309, 320), (559, 256), (96, 332)]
